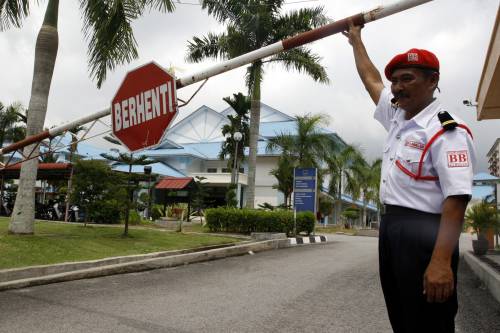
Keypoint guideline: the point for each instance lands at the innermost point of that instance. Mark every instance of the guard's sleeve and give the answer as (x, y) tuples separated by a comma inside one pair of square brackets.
[(454, 158), (385, 112)]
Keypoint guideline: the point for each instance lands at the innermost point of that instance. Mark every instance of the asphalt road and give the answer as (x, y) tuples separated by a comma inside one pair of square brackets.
[(320, 288)]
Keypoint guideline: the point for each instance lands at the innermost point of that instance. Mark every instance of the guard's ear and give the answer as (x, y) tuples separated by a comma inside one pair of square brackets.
[(434, 80)]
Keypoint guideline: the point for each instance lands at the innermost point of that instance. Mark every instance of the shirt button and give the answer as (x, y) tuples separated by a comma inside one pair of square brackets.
[(391, 159), (383, 181), (398, 136)]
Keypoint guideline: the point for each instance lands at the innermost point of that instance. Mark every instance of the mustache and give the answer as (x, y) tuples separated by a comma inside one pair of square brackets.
[(397, 96)]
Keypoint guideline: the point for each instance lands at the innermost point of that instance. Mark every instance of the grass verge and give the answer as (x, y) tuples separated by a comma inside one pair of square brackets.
[(56, 243), (332, 229)]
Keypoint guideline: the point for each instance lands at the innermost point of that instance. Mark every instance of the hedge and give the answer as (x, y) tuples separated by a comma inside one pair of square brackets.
[(247, 221)]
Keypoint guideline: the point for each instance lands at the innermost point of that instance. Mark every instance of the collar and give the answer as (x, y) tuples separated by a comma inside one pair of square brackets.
[(422, 118)]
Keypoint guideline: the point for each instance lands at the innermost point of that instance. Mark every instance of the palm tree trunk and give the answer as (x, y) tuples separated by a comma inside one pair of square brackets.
[(68, 191), (338, 209), (254, 135), (23, 216), (129, 199)]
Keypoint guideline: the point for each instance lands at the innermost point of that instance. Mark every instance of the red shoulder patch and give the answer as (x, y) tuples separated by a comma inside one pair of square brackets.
[(458, 159)]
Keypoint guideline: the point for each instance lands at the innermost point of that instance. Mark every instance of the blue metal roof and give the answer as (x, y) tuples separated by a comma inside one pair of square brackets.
[(88, 151), (194, 150), (156, 168), (273, 129), (484, 176), (359, 203), (480, 192)]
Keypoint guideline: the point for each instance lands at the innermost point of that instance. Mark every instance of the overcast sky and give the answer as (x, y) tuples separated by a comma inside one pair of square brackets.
[(457, 31)]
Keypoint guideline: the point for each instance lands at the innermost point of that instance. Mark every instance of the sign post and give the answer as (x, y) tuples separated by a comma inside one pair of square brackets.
[(143, 107), (304, 192)]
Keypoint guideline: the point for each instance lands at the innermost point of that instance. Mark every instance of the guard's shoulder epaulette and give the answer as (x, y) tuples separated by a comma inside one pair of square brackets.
[(447, 120)]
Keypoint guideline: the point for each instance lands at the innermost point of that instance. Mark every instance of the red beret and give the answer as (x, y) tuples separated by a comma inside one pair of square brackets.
[(412, 58)]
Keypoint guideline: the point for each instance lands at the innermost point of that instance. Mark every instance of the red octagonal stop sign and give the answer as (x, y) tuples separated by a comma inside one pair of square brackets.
[(144, 106)]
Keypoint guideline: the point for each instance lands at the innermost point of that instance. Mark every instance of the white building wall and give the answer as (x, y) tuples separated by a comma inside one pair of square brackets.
[(264, 191)]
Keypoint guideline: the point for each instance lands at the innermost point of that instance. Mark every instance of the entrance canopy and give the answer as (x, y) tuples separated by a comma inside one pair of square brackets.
[(174, 183), (488, 98), (46, 171)]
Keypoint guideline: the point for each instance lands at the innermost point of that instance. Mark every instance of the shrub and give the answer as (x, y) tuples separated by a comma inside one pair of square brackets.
[(306, 222), (134, 218), (156, 212), (251, 220), (106, 211)]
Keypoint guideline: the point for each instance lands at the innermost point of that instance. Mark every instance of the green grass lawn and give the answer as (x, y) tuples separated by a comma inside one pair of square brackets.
[(57, 243), (331, 229)]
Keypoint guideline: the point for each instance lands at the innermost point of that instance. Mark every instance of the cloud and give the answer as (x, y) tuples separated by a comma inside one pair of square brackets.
[(458, 32)]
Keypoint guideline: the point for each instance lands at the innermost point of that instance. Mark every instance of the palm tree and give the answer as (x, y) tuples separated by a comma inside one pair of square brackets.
[(284, 175), (11, 127), (73, 148), (309, 145), (129, 159), (252, 24), (306, 148), (368, 179), (237, 123), (108, 29), (339, 167)]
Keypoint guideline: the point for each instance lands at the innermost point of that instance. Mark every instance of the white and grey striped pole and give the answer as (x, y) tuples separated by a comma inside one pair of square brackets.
[(245, 59)]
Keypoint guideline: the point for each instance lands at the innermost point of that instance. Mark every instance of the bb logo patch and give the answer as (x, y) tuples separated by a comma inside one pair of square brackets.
[(458, 159), (412, 56)]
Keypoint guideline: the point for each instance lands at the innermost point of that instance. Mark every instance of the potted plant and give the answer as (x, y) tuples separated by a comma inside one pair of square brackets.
[(480, 217)]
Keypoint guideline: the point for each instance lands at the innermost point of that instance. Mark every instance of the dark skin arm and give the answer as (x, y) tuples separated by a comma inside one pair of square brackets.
[(438, 278), (367, 71)]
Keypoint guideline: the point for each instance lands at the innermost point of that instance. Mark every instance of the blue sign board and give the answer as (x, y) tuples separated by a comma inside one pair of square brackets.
[(304, 189)]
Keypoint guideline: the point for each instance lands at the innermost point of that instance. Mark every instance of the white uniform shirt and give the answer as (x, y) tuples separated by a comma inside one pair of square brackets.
[(451, 157)]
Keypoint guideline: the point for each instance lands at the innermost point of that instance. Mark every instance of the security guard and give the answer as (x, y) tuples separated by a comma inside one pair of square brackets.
[(426, 183)]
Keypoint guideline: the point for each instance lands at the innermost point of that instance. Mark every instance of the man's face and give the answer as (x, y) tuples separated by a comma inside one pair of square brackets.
[(413, 89)]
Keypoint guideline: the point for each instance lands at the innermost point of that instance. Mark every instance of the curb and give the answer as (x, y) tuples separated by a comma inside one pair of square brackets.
[(12, 274), (485, 273), (307, 240), (146, 264)]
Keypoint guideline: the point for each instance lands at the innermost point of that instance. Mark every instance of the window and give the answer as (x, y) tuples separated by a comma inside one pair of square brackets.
[(226, 170), (211, 170), (242, 170)]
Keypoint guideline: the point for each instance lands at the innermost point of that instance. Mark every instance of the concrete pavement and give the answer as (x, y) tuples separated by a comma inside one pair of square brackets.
[(331, 287)]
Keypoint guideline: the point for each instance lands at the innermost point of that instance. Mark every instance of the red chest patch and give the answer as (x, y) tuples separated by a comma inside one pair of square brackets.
[(414, 144), (458, 159)]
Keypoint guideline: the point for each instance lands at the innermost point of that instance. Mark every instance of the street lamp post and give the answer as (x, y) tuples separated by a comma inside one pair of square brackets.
[(237, 136), (147, 171)]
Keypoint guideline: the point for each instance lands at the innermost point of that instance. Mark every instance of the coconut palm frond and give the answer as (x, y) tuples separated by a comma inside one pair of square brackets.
[(13, 12)]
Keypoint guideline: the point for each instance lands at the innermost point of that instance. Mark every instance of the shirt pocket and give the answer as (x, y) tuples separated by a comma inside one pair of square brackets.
[(407, 160)]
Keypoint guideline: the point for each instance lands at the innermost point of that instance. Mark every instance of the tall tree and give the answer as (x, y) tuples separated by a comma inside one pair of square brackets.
[(284, 176), (12, 128), (368, 179), (130, 160), (237, 123), (108, 29), (73, 148), (339, 166), (306, 148), (250, 25)]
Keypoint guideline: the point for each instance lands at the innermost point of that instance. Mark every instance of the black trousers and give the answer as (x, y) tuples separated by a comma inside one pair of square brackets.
[(406, 242)]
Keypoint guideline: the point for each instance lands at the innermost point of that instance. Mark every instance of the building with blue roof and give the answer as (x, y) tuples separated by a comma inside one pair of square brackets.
[(191, 148), (485, 186)]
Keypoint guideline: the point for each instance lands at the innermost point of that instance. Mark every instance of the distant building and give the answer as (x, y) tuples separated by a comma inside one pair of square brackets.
[(485, 188), (494, 158), (191, 148)]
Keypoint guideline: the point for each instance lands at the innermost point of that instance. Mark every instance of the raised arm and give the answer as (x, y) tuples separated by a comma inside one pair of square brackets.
[(367, 72)]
